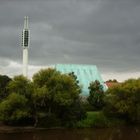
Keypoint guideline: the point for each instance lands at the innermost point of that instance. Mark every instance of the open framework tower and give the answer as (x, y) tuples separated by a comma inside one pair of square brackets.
[(25, 45)]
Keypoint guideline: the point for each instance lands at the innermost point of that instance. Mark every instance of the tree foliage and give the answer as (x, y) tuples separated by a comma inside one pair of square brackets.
[(20, 85), (14, 109), (4, 80), (76, 81), (17, 106), (55, 87), (96, 95), (56, 93), (124, 101), (51, 99)]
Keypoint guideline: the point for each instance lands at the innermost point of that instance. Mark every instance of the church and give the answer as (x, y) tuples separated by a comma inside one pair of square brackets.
[(85, 75)]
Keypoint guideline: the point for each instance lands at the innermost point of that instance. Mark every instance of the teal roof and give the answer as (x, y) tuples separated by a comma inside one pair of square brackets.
[(85, 74)]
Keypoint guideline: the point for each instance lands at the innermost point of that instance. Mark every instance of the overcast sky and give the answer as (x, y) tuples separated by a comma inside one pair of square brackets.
[(105, 33)]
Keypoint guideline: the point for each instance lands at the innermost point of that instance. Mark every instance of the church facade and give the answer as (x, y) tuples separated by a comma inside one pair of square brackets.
[(85, 75)]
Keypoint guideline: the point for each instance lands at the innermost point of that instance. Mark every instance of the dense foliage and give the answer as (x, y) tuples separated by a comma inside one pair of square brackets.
[(58, 96), (17, 107), (4, 80), (21, 85), (123, 101), (51, 99), (14, 110), (96, 95)]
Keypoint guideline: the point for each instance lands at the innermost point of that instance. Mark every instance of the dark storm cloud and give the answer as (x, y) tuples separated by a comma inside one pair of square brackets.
[(101, 32)]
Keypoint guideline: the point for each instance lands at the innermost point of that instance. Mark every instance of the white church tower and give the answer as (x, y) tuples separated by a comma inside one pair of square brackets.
[(25, 45)]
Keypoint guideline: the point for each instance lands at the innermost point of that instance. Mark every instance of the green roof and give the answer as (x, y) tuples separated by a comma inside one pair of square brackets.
[(85, 75)]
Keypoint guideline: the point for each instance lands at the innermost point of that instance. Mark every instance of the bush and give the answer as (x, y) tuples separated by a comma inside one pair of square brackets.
[(123, 101), (13, 110), (52, 99), (57, 94), (94, 119)]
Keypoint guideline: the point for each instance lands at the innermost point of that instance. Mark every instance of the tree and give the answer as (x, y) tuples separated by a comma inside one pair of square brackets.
[(4, 80), (75, 80), (54, 92), (123, 101), (14, 110), (113, 81), (52, 99), (59, 88), (20, 85), (96, 95), (22, 89), (69, 115)]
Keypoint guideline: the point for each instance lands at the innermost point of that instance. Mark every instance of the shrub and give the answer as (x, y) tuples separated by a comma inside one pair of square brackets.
[(123, 101)]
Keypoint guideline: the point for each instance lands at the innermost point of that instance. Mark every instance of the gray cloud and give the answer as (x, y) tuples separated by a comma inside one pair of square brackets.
[(101, 32)]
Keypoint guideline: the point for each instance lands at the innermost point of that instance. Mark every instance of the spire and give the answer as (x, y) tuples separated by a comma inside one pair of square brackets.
[(26, 22)]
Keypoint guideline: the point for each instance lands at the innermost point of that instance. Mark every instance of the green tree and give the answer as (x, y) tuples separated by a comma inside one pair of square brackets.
[(21, 87), (123, 101), (76, 81), (58, 88), (113, 81), (54, 92), (4, 80), (52, 99), (69, 115), (13, 110), (96, 95)]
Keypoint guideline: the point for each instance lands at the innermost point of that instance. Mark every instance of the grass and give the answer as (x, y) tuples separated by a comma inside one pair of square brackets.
[(99, 120)]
